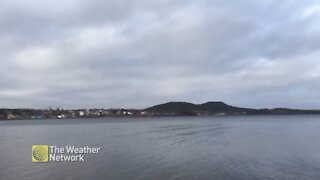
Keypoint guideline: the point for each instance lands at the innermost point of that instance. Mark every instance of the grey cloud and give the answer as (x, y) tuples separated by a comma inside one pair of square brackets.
[(139, 53)]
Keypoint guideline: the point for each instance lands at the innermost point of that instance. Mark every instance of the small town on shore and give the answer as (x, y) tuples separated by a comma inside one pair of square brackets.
[(59, 113)]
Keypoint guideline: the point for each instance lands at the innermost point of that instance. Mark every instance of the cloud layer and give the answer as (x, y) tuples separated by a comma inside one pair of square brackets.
[(138, 53)]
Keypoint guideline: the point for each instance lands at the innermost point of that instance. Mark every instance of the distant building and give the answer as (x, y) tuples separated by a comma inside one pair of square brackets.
[(61, 116), (11, 116), (143, 113), (81, 113)]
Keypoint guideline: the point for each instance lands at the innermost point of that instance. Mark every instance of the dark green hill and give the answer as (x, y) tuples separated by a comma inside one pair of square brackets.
[(184, 108), (217, 108), (173, 107)]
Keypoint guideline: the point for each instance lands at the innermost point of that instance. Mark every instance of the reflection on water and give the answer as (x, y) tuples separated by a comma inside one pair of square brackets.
[(243, 147)]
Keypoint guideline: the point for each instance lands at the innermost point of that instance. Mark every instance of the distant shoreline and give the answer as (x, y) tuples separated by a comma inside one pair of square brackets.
[(152, 117), (170, 109)]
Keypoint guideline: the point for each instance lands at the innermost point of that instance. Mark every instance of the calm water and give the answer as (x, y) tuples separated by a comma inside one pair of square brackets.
[(246, 147)]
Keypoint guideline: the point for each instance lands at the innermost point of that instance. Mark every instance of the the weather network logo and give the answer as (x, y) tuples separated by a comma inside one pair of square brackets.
[(40, 153), (51, 153)]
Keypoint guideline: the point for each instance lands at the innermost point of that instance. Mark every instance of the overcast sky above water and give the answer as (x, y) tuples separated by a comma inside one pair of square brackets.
[(137, 53)]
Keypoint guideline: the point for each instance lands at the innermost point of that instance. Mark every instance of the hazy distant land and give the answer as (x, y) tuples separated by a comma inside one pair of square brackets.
[(166, 109)]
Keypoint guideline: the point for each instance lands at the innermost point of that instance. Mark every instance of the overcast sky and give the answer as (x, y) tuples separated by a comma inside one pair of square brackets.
[(137, 53)]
